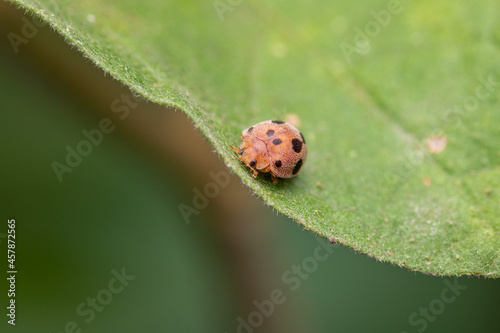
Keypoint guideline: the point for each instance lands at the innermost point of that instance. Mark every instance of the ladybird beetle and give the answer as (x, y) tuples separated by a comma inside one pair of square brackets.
[(272, 146)]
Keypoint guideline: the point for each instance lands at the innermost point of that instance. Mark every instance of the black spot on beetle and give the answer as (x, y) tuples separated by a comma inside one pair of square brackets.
[(250, 129), (303, 140), (277, 163), (242, 151), (297, 167), (252, 163), (296, 145), (279, 122), (270, 133), (276, 142)]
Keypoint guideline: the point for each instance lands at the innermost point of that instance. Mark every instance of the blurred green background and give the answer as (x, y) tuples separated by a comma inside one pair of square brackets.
[(119, 209)]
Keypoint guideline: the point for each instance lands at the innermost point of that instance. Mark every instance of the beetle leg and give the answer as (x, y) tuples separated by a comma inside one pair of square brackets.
[(236, 149)]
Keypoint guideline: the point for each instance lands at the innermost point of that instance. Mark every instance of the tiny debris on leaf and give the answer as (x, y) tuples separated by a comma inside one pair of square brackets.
[(436, 144), (427, 181)]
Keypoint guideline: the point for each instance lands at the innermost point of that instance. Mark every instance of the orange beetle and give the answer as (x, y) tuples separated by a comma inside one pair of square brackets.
[(272, 146)]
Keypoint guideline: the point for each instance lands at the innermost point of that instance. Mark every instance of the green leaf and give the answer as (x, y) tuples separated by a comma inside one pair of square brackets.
[(398, 101)]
